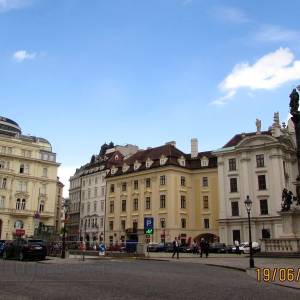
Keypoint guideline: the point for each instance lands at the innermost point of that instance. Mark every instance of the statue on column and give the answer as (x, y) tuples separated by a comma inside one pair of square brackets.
[(294, 102)]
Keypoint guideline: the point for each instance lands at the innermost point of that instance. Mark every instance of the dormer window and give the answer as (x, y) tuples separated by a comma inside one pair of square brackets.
[(204, 162), (162, 160), (116, 157), (181, 161), (125, 168), (149, 163), (136, 165)]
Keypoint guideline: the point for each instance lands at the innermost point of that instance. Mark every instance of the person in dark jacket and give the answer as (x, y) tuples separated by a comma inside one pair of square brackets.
[(204, 246), (175, 248)]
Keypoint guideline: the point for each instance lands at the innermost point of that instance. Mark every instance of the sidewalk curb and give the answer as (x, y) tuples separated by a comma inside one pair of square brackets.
[(227, 267)]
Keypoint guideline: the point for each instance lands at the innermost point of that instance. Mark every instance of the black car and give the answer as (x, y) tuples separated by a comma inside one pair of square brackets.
[(218, 248), (22, 249)]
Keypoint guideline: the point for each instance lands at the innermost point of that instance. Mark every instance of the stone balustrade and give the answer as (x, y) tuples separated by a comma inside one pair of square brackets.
[(282, 245)]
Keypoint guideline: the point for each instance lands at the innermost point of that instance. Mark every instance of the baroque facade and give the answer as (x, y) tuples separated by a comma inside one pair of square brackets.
[(259, 164), (180, 191), (28, 179)]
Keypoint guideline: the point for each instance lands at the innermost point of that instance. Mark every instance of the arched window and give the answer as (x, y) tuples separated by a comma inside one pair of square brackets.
[(18, 204)]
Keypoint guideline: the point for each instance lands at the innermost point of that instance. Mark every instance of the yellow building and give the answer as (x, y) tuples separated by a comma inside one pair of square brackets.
[(179, 191), (28, 179)]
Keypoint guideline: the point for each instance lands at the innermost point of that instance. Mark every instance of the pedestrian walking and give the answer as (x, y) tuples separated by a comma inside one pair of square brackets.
[(204, 247), (237, 247), (175, 247)]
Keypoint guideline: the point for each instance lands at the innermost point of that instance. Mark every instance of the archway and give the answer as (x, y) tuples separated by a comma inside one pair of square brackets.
[(210, 237)]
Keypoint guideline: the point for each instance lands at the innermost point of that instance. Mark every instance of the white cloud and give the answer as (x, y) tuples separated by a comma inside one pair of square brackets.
[(6, 5), (64, 173), (268, 72), (230, 14), (271, 33), (22, 55)]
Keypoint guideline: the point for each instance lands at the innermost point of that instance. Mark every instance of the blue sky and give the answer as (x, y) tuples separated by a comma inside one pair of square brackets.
[(145, 72)]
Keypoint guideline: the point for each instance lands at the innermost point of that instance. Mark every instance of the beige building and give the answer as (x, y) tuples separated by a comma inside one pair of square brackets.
[(180, 191), (28, 179)]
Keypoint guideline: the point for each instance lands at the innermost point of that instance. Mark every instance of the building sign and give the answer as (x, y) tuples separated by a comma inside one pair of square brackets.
[(20, 232), (148, 225)]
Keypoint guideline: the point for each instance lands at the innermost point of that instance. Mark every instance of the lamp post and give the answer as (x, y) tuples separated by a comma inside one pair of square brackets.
[(248, 205), (63, 251)]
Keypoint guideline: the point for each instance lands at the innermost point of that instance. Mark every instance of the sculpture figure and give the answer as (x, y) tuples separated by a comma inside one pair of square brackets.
[(258, 125)]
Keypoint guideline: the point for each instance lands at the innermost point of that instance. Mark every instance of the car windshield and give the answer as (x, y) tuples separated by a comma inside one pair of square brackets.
[(35, 242)]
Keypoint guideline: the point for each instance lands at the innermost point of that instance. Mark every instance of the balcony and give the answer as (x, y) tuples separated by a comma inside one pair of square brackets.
[(18, 212)]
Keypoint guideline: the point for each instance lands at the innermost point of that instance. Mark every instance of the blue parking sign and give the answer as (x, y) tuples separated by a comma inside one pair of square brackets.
[(148, 225)]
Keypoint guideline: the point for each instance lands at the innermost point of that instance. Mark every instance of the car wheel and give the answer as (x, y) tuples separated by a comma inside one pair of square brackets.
[(21, 256)]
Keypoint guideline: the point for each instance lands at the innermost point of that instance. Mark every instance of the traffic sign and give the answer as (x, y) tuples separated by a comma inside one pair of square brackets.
[(148, 225)]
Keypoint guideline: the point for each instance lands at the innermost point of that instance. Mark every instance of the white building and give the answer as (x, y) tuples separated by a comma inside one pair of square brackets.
[(261, 165), (90, 181)]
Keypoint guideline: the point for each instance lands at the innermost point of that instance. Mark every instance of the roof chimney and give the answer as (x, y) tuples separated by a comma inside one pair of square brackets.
[(194, 148)]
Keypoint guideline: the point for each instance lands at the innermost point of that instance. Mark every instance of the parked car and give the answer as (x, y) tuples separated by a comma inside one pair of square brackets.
[(218, 248), (156, 247), (25, 248), (169, 247), (245, 248), (185, 249)]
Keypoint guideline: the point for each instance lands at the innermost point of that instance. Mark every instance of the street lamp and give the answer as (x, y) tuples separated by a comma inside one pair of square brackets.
[(248, 205)]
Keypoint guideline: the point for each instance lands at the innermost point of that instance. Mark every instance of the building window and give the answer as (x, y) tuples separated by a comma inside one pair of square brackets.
[(102, 205), (111, 207), (162, 180), (123, 205), (95, 192), (22, 186), (82, 207), (83, 183), (205, 202), (45, 172), (206, 223), (103, 191), (204, 181), (135, 204), (264, 207), (3, 183), (101, 222), (21, 204), (96, 180), (95, 206), (2, 202), (123, 225), (148, 182), (88, 208), (182, 181), (232, 164), (41, 206), (111, 225), (124, 187), (233, 185), (24, 168), (183, 202), (90, 181), (135, 226), (183, 223), (148, 203), (235, 208), (162, 223), (83, 195), (262, 182), (162, 201), (112, 188), (135, 184), (260, 161), (89, 193)]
